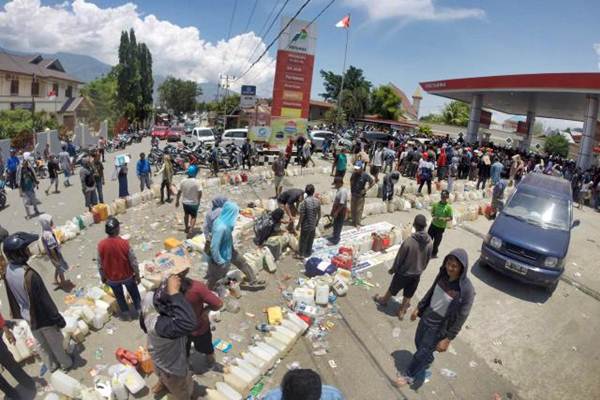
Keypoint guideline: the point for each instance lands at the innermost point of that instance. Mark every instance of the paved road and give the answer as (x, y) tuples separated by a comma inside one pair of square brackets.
[(517, 342)]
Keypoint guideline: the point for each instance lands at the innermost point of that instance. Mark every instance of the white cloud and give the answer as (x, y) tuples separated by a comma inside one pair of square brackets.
[(597, 49), (414, 10), (84, 28)]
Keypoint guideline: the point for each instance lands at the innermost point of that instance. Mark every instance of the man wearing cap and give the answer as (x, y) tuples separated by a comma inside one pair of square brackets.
[(29, 299), (339, 209), (358, 188), (118, 267), (442, 215), (410, 262), (191, 190)]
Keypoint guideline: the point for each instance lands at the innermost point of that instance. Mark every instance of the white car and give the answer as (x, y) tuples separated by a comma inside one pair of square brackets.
[(204, 136), (235, 136), (318, 138)]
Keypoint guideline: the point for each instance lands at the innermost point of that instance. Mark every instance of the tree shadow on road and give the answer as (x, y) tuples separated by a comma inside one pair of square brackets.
[(509, 286)]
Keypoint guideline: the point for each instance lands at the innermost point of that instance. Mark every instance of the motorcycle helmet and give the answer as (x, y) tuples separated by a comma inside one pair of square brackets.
[(112, 226), (15, 247), (192, 171)]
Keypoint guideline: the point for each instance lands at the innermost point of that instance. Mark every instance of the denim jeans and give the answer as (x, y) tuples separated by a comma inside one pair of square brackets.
[(426, 340), (338, 224), (132, 289), (99, 189), (144, 181)]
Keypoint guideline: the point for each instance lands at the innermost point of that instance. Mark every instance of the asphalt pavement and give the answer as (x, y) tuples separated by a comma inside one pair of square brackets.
[(518, 342)]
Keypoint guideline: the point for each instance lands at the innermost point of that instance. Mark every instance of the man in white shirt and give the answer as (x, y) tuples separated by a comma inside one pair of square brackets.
[(191, 191)]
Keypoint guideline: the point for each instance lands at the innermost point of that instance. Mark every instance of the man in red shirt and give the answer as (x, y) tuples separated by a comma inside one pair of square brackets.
[(11, 365), (118, 267), (202, 301)]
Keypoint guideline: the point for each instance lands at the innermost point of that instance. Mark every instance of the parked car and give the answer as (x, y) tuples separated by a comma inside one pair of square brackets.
[(377, 137), (188, 127), (234, 136), (160, 132), (205, 136), (318, 138), (529, 239), (174, 134)]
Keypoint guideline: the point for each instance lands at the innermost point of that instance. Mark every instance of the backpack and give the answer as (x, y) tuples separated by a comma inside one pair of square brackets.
[(263, 226), (89, 180)]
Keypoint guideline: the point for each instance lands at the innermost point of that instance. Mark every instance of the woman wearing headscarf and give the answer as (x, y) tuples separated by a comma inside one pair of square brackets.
[(52, 247), (210, 218), (121, 171), (167, 178), (223, 253)]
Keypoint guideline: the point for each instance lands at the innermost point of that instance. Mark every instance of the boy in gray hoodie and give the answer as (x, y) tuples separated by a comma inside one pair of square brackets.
[(412, 259), (442, 312)]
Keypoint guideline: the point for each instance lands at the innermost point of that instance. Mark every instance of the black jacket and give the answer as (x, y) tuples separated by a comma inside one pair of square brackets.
[(459, 309), (42, 310)]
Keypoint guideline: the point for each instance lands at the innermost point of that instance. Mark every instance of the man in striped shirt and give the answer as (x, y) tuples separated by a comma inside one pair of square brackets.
[(310, 213)]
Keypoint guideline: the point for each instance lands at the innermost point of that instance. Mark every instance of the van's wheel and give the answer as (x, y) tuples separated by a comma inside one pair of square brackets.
[(550, 289)]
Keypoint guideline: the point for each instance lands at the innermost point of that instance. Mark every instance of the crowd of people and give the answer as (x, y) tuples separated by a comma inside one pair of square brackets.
[(175, 316)]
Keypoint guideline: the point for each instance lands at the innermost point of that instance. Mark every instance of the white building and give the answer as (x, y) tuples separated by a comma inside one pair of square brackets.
[(35, 83)]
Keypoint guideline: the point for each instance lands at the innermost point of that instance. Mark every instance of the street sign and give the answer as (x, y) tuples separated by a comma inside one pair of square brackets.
[(248, 96)]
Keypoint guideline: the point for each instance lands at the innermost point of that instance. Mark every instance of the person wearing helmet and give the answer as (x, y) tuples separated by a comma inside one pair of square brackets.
[(190, 189), (29, 299), (118, 267)]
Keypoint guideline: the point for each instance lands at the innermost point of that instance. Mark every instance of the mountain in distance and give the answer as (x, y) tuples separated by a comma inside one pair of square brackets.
[(87, 68)]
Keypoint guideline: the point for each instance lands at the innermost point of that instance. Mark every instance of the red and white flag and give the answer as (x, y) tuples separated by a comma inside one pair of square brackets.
[(344, 23), (52, 95)]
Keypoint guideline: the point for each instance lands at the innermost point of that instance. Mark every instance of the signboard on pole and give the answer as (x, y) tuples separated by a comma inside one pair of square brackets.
[(248, 96), (293, 77)]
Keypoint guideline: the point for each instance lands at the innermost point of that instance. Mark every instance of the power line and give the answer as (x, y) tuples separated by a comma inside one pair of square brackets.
[(275, 39), (262, 29), (231, 20), (270, 26), (283, 30), (246, 28)]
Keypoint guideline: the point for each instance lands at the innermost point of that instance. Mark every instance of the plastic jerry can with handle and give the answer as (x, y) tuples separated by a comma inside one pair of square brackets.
[(268, 349), (322, 295), (212, 394), (279, 345), (248, 367), (227, 391), (261, 353), (286, 323), (292, 317), (304, 295), (100, 318), (340, 287), (243, 377), (118, 388), (237, 383), (257, 362), (286, 332), (66, 385), (133, 381)]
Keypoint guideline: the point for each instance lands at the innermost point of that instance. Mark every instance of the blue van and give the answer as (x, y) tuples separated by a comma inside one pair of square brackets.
[(529, 239)]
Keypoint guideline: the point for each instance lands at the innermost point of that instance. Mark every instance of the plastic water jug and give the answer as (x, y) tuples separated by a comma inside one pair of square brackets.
[(304, 295), (100, 318), (83, 328), (118, 389), (279, 345), (286, 323), (133, 381), (249, 368), (298, 321), (255, 361), (322, 295), (237, 383), (212, 394), (259, 352), (52, 396), (87, 314), (71, 324), (269, 349), (340, 287), (228, 392), (66, 385)]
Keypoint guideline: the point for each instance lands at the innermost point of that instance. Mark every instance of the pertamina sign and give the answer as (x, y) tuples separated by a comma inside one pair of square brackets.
[(293, 79)]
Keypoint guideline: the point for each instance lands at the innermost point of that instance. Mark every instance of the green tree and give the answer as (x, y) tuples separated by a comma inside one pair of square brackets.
[(13, 122), (356, 93), (456, 113), (179, 95), (134, 78), (102, 93), (425, 129), (432, 118), (557, 145), (386, 103)]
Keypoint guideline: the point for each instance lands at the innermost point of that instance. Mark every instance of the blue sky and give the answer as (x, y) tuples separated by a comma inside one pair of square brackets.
[(408, 41)]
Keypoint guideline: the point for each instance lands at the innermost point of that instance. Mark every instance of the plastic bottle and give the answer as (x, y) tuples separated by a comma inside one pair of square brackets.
[(322, 295), (118, 389), (277, 344), (269, 349), (228, 392), (66, 385), (304, 295), (248, 367)]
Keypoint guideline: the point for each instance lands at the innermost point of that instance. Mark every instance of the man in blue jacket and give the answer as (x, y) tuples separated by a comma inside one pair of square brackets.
[(442, 312), (12, 164), (143, 171)]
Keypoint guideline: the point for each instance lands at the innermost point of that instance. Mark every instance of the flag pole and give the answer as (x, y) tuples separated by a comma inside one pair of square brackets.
[(341, 94)]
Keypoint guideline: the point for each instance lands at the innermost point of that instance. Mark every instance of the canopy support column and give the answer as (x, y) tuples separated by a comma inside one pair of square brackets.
[(473, 127), (584, 160)]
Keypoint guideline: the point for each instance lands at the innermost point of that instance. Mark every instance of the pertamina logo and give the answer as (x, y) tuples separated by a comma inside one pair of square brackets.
[(302, 35)]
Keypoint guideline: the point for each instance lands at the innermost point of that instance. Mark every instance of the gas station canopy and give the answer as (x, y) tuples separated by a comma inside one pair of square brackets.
[(572, 96), (555, 95)]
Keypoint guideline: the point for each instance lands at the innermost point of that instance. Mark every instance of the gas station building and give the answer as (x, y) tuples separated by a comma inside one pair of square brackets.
[(570, 96)]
